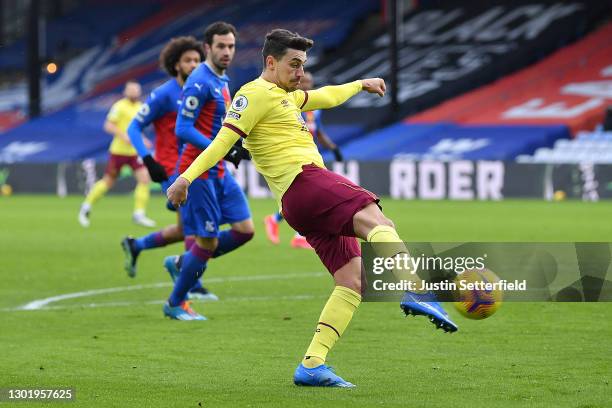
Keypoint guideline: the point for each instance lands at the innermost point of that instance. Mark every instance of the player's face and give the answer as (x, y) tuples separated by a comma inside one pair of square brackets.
[(187, 63), (306, 82), (221, 52), (290, 69), (132, 91)]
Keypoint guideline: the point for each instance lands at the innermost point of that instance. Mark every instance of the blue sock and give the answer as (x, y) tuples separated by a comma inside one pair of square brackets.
[(193, 266), (153, 240), (230, 240), (278, 217)]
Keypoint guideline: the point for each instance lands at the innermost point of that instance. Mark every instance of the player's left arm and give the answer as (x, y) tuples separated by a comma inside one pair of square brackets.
[(334, 95), (194, 97), (149, 112)]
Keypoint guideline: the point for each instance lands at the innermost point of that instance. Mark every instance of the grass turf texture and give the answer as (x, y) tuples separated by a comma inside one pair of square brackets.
[(120, 355)]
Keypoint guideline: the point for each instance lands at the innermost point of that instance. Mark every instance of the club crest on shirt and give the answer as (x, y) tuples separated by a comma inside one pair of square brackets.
[(240, 103), (285, 103)]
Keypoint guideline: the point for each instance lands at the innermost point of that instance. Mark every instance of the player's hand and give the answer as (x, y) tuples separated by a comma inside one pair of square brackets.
[(177, 192), (148, 144), (236, 154), (374, 85), (337, 154), (156, 170)]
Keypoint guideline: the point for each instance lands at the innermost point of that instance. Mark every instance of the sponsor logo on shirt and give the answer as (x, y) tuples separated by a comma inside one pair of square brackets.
[(234, 115)]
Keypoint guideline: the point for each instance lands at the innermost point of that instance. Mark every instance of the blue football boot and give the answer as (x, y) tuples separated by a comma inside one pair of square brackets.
[(321, 376), (182, 312), (426, 304), (171, 263)]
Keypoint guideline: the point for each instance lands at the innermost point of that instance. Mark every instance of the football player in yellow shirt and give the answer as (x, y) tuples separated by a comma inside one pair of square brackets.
[(328, 209), (122, 153)]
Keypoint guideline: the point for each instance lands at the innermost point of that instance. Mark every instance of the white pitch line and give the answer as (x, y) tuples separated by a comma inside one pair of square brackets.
[(43, 303), (160, 302)]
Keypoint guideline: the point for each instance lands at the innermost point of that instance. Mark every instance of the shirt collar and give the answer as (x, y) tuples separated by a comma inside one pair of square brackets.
[(223, 77)]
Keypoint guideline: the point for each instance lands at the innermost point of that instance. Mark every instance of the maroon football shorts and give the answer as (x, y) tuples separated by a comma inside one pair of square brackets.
[(116, 162), (320, 205)]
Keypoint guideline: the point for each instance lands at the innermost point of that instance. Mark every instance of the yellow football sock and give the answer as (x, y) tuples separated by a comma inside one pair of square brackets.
[(392, 245), (334, 319), (141, 197), (96, 192)]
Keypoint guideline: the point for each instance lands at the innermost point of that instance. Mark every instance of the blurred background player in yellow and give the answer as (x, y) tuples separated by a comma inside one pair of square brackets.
[(122, 153), (315, 126)]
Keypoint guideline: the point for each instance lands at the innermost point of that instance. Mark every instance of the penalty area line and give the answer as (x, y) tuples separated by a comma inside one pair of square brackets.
[(161, 302), (41, 304)]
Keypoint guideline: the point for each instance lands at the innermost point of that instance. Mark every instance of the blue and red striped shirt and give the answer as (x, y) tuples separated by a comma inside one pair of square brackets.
[(160, 110), (204, 102)]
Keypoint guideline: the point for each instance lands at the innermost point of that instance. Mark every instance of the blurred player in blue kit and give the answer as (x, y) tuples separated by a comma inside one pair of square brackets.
[(178, 58), (215, 196)]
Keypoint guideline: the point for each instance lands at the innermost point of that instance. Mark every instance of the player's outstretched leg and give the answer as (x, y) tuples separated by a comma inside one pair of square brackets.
[(271, 226), (133, 246), (172, 264), (234, 238), (334, 319), (141, 198), (192, 267), (228, 240), (97, 191), (371, 225)]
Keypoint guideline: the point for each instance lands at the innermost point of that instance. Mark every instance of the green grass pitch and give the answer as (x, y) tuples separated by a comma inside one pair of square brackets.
[(117, 350)]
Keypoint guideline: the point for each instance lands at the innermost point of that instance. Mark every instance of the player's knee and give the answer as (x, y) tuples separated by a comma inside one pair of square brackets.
[(174, 233), (209, 244), (386, 222), (245, 227), (242, 237), (353, 283)]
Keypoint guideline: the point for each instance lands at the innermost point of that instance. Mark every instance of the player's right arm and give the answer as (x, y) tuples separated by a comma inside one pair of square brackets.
[(149, 112), (248, 107), (110, 124)]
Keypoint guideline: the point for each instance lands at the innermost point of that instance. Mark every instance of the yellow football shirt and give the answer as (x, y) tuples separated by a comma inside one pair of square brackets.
[(121, 114), (275, 133), (276, 136)]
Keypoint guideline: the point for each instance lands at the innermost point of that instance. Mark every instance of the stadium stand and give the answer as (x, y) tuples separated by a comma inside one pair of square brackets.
[(534, 110), (449, 48), (571, 87), (81, 93), (587, 147)]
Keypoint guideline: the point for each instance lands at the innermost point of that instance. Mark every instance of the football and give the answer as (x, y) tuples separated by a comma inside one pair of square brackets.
[(474, 301)]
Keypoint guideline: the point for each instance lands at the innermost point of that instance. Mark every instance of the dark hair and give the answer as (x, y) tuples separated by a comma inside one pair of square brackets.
[(218, 28), (176, 47), (278, 41)]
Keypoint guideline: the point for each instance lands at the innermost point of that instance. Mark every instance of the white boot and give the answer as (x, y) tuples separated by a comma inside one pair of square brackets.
[(140, 218), (84, 215)]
